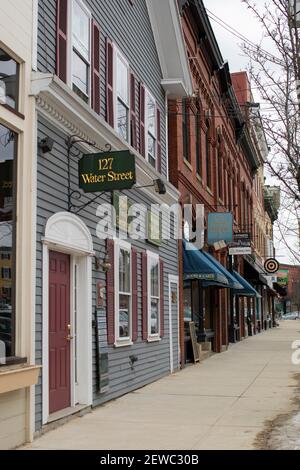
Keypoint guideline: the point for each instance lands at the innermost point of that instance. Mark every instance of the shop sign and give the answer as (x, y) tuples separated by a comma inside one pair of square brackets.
[(219, 227), (107, 171), (240, 250), (283, 277), (241, 244), (271, 265)]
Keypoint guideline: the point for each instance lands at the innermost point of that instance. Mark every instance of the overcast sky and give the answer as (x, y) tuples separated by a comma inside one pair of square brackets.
[(237, 15)]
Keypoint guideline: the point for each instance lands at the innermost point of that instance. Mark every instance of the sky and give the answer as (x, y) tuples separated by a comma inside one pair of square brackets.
[(236, 14)]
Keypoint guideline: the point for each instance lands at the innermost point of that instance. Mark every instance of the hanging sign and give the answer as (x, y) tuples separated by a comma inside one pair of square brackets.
[(271, 265), (241, 244), (107, 171), (219, 227)]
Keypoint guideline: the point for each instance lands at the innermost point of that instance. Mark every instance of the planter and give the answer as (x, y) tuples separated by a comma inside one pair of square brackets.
[(17, 377)]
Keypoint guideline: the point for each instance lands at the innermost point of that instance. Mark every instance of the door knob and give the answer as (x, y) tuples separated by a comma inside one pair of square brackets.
[(69, 338)]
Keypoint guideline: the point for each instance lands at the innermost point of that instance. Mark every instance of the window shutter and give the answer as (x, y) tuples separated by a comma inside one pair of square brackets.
[(142, 120), (133, 111), (144, 297), (109, 82), (61, 39), (134, 295), (95, 67), (110, 293), (162, 317), (158, 120)]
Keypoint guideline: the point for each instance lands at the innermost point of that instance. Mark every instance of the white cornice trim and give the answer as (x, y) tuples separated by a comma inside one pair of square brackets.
[(59, 104)]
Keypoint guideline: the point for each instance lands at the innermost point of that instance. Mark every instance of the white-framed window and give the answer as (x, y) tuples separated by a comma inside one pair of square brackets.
[(122, 95), (81, 50), (150, 128), (123, 293), (154, 300)]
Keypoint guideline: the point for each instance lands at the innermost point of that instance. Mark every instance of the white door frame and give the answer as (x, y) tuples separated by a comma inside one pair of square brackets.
[(173, 280), (66, 233)]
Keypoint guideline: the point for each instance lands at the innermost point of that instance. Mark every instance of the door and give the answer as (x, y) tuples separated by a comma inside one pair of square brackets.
[(59, 331)]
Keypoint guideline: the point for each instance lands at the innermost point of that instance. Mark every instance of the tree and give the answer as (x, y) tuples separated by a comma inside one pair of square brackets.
[(275, 73)]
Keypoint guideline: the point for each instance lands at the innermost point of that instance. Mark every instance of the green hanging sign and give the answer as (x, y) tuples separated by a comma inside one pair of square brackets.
[(107, 171)]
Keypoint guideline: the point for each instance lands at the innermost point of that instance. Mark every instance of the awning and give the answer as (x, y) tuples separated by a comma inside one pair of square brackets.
[(197, 266), (247, 290), (232, 282)]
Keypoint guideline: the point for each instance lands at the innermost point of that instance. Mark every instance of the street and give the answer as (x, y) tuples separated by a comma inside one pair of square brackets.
[(224, 402)]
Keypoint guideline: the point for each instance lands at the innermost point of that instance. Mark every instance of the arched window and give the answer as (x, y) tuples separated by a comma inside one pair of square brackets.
[(198, 140), (185, 130), (207, 154), (220, 168)]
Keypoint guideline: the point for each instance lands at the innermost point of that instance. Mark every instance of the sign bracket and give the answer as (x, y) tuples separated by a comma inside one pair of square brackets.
[(75, 195)]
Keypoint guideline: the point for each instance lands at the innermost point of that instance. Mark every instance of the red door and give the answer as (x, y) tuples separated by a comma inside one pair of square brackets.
[(59, 319)]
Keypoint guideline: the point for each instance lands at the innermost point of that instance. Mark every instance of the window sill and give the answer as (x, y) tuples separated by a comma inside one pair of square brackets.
[(199, 178), (153, 339), (14, 111), (209, 191), (122, 344), (17, 377), (187, 163)]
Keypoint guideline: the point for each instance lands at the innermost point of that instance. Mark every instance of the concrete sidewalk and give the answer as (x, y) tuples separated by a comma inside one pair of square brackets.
[(222, 403)]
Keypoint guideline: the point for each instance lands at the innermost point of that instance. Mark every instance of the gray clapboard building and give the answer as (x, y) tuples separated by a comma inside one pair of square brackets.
[(106, 310)]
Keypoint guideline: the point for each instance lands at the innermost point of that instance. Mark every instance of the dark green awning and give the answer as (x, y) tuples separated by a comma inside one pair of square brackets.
[(232, 281), (247, 290)]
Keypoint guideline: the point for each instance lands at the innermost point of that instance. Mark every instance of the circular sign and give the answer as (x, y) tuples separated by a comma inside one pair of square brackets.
[(271, 265)]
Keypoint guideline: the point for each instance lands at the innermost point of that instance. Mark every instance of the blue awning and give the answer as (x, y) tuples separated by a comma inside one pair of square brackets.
[(232, 281), (197, 266), (248, 290)]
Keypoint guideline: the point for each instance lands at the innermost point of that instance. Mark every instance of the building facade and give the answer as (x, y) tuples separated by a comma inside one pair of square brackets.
[(212, 162), (17, 236), (101, 84)]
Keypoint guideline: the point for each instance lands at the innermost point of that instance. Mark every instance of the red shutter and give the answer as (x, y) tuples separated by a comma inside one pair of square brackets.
[(162, 316), (61, 39), (142, 120), (144, 297), (95, 67), (158, 120), (133, 111), (134, 295), (110, 293), (109, 82)]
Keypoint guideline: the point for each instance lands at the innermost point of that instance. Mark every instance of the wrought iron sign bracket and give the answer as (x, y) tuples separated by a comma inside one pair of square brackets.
[(75, 195)]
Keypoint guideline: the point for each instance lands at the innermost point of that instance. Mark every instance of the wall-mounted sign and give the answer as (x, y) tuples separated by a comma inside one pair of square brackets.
[(107, 171), (241, 244), (283, 277), (271, 265), (219, 227)]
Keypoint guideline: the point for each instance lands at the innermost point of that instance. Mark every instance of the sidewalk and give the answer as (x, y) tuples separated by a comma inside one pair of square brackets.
[(222, 403)]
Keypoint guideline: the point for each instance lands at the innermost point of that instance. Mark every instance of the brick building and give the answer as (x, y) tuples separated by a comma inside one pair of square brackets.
[(212, 161)]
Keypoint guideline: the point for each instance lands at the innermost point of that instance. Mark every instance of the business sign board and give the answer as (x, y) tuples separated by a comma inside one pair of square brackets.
[(282, 277), (219, 227), (240, 250), (107, 171), (241, 244)]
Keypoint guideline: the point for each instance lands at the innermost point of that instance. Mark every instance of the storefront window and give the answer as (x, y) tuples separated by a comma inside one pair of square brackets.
[(9, 80), (7, 237), (124, 293), (187, 302)]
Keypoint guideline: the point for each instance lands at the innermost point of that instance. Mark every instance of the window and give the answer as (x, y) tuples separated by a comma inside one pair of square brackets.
[(151, 128), (207, 155), (81, 50), (8, 150), (185, 131), (220, 170), (123, 294), (122, 95), (154, 295), (9, 80)]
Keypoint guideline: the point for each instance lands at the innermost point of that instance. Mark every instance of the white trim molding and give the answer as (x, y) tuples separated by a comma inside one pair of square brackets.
[(173, 280), (67, 233), (154, 256)]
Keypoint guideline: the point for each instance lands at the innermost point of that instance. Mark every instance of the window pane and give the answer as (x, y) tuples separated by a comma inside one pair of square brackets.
[(7, 228), (154, 316), (81, 31), (154, 279), (80, 75), (124, 271), (9, 82), (124, 314), (151, 149), (122, 80), (151, 116), (122, 120)]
